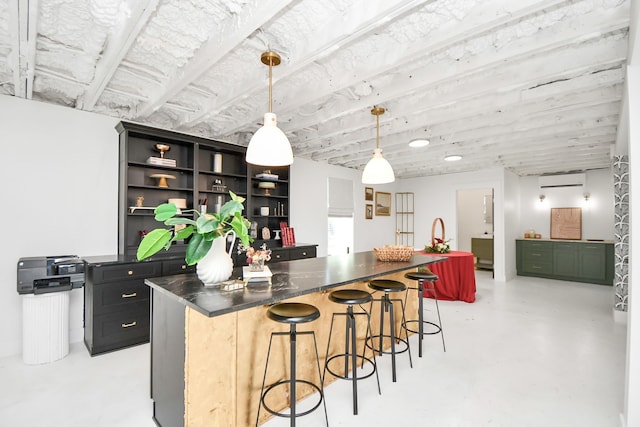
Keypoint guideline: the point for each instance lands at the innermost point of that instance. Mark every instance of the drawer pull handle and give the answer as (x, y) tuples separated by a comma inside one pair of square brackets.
[(130, 272), (536, 254), (128, 325), (131, 295), (304, 254), (184, 267)]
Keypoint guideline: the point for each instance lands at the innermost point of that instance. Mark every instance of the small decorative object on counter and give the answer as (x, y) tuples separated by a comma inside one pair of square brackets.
[(530, 234), (256, 257), (391, 253)]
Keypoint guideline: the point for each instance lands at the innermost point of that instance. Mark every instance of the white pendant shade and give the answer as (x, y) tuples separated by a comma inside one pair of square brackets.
[(378, 170), (269, 146)]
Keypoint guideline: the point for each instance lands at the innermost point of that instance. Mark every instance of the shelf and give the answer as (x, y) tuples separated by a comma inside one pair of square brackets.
[(155, 187), (164, 168), (271, 196), (228, 175), (222, 192)]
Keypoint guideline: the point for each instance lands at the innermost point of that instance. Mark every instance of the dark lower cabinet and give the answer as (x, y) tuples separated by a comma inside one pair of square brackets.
[(579, 261), (117, 301)]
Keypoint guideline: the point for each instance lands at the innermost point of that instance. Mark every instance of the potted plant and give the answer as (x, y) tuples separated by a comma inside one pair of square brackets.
[(202, 231)]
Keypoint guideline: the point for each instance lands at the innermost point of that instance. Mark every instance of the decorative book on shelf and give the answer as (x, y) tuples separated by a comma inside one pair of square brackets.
[(287, 234), (161, 161)]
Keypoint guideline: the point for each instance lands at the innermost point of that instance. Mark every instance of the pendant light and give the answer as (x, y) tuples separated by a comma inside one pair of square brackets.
[(378, 170), (269, 146)]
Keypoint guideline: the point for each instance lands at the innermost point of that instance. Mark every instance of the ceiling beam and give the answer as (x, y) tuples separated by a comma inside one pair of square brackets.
[(401, 56), (362, 17), (118, 46), (233, 32), (24, 31), (517, 55)]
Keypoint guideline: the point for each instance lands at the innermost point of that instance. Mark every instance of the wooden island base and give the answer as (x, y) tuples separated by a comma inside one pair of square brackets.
[(224, 358)]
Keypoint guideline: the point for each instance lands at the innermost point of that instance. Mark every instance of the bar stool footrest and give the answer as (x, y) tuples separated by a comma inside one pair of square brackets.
[(346, 375), (286, 415), (403, 342), (437, 331)]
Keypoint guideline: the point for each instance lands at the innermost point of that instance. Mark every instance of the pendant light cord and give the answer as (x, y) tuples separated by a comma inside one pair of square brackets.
[(378, 131), (270, 85)]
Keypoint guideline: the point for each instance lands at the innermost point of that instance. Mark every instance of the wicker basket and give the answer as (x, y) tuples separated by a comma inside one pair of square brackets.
[(394, 253)]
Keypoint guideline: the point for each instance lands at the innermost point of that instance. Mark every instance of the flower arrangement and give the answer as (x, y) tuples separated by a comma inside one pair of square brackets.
[(256, 257), (438, 246)]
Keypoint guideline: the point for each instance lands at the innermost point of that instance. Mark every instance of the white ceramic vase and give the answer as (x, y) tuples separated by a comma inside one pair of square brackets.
[(217, 266)]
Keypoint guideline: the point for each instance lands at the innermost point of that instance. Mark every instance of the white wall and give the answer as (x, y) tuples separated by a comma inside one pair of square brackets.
[(632, 393), (60, 184), (597, 213), (435, 197), (308, 216)]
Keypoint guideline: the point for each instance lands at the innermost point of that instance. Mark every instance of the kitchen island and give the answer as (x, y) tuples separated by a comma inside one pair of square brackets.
[(208, 345)]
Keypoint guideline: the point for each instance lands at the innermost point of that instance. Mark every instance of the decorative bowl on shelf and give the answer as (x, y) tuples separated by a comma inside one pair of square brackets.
[(266, 186)]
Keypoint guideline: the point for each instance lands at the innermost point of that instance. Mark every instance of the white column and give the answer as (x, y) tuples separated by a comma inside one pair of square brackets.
[(45, 327)]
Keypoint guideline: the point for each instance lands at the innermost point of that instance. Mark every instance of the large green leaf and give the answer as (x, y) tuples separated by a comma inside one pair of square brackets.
[(153, 242), (179, 220), (165, 211), (207, 224), (197, 249), (184, 233)]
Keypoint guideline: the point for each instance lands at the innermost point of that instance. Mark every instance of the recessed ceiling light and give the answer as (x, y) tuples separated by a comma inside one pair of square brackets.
[(453, 158), (416, 143)]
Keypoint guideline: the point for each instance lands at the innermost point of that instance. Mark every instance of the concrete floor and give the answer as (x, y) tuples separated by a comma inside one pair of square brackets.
[(530, 352)]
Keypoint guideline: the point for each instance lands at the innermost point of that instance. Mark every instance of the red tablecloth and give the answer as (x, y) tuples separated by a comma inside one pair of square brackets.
[(457, 279)]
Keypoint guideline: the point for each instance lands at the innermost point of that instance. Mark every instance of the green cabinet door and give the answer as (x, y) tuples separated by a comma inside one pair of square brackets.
[(592, 262), (565, 259)]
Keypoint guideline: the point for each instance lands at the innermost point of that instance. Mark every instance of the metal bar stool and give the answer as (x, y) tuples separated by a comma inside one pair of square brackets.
[(422, 277), (351, 297), (292, 313), (386, 306)]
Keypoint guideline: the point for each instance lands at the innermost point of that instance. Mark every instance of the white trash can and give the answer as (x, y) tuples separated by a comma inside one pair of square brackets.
[(45, 327)]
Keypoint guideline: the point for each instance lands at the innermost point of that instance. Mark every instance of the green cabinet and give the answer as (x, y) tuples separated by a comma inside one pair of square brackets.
[(579, 261), (482, 249)]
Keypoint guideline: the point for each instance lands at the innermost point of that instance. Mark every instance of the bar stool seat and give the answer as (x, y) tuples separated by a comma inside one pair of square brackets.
[(386, 306), (423, 277), (351, 297), (292, 313)]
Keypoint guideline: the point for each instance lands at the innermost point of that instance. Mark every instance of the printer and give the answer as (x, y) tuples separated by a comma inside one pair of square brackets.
[(39, 275)]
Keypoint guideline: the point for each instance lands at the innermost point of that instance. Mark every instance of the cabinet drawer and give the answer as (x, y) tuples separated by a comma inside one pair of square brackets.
[(176, 266), (117, 330), (111, 273), (536, 255), (300, 253), (113, 297), (537, 267), (280, 255)]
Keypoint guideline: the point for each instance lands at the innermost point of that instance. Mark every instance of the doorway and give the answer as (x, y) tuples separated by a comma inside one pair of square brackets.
[(475, 224)]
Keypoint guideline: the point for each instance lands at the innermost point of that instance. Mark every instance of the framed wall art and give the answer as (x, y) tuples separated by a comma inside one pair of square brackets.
[(368, 193), (383, 203), (566, 223), (368, 211)]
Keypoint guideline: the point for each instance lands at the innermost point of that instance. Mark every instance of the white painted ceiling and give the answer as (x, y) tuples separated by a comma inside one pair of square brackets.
[(529, 85)]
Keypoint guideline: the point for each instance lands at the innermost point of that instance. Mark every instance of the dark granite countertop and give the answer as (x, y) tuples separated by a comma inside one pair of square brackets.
[(290, 279)]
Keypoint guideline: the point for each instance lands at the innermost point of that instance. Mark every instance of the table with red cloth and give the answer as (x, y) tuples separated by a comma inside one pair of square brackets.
[(456, 276)]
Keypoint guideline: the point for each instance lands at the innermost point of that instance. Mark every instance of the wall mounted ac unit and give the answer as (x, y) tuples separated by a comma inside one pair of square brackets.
[(557, 181)]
